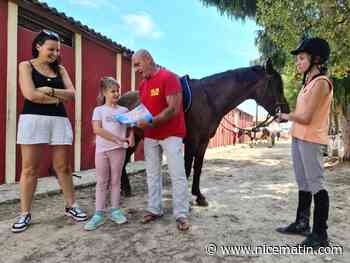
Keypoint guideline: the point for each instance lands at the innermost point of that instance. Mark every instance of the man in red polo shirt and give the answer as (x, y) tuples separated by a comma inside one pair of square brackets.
[(161, 93)]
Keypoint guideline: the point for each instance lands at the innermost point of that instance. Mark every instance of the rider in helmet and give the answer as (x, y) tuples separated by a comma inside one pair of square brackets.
[(318, 50), (309, 133)]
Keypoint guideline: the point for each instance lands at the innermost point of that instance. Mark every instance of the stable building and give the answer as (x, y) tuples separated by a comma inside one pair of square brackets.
[(87, 55)]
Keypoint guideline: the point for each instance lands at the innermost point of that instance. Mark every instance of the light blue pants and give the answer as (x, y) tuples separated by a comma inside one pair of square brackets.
[(308, 165), (172, 148)]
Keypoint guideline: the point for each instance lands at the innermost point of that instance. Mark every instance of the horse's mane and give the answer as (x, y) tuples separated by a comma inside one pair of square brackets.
[(252, 73)]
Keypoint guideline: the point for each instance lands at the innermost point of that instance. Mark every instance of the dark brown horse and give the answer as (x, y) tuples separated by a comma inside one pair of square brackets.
[(212, 98)]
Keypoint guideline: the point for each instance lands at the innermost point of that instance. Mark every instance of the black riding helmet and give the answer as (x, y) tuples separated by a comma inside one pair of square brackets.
[(319, 51), (316, 47)]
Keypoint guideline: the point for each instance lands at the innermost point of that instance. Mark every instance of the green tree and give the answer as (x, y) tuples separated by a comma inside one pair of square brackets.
[(237, 9), (287, 21), (268, 49), (284, 23)]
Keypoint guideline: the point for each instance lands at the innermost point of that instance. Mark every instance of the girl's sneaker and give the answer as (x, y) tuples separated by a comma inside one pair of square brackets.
[(118, 216), (76, 213), (22, 223), (95, 221)]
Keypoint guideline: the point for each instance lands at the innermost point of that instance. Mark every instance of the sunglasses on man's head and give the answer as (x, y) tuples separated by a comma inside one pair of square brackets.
[(50, 33)]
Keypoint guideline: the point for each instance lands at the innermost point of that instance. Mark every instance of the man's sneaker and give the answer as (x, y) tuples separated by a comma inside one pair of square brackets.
[(118, 216), (95, 221), (76, 213), (22, 223)]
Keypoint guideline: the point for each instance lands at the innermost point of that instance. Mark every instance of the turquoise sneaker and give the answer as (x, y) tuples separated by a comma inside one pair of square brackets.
[(118, 216), (95, 221)]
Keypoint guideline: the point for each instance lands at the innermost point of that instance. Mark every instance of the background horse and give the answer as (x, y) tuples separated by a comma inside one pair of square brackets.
[(212, 98)]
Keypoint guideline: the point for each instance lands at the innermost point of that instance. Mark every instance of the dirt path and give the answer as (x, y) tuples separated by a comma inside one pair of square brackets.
[(250, 191)]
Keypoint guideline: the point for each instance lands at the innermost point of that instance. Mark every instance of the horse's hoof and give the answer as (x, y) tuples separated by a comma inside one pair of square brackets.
[(202, 202)]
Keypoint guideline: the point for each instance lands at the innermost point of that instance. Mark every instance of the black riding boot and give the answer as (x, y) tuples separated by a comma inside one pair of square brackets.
[(301, 226), (319, 238)]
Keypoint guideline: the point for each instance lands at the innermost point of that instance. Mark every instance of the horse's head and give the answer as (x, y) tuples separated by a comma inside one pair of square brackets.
[(129, 100), (269, 94)]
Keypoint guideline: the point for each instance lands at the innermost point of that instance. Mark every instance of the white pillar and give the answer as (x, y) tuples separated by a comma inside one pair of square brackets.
[(11, 98), (78, 101), (119, 68), (133, 76)]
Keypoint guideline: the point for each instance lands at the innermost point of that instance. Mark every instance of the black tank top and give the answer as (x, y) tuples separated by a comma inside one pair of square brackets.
[(41, 80)]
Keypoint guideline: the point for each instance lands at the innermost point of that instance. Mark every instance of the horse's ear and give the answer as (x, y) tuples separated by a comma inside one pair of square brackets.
[(269, 67)]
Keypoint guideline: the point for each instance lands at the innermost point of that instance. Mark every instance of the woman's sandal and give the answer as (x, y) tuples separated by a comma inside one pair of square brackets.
[(149, 217), (182, 224)]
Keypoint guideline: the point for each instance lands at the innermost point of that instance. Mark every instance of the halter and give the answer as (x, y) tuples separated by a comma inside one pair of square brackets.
[(268, 120)]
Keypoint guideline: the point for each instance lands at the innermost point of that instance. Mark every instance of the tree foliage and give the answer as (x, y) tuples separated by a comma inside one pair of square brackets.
[(237, 9), (286, 22)]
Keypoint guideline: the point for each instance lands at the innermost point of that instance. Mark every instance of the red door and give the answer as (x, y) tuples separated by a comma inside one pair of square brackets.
[(126, 75), (97, 62)]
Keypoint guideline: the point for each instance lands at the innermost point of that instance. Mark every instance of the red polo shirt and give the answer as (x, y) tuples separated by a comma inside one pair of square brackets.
[(153, 93)]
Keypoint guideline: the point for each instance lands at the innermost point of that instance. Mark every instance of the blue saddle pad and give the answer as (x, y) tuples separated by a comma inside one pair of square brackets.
[(186, 92)]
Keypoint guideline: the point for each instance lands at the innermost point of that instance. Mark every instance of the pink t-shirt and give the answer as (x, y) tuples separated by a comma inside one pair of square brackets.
[(105, 114)]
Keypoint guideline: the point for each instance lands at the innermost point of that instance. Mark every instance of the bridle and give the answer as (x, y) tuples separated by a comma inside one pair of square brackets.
[(268, 120)]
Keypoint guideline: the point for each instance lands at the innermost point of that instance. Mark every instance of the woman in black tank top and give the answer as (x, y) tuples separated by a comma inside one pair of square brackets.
[(45, 84), (40, 80)]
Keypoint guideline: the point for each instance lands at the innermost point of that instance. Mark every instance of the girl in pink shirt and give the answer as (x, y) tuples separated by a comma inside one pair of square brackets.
[(112, 139)]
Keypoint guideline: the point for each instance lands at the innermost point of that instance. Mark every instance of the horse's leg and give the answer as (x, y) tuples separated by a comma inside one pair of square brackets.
[(188, 159), (125, 183), (198, 163)]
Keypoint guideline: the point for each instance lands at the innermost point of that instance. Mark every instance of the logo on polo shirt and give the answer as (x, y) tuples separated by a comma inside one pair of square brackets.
[(155, 92)]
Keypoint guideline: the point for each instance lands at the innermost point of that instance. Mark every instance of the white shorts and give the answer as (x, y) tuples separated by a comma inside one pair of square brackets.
[(36, 129)]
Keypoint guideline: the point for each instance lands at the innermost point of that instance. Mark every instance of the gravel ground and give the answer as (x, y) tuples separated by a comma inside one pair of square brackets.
[(250, 191)]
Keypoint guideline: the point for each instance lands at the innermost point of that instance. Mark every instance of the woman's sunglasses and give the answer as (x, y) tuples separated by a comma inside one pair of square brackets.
[(50, 33)]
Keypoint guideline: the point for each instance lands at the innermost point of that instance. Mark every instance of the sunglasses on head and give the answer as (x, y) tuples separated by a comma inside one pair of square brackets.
[(50, 33)]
